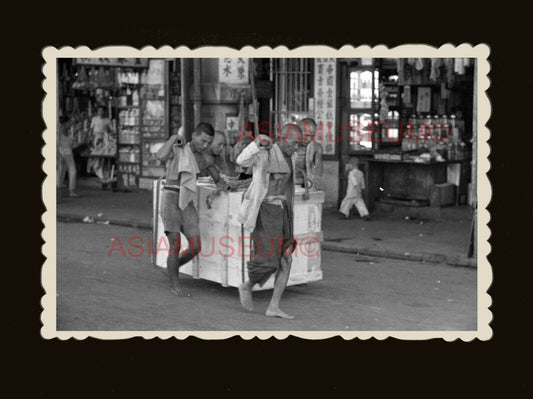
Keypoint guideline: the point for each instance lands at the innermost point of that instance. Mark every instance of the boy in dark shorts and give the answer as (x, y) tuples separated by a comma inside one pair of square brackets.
[(178, 202)]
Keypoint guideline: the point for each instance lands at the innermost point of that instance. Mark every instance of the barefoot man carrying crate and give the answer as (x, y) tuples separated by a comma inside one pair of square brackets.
[(267, 211), (178, 205)]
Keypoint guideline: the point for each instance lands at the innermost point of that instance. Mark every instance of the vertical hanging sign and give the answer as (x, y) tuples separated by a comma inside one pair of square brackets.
[(233, 70), (325, 77)]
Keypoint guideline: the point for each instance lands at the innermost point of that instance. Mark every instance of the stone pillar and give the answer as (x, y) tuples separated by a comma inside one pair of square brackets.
[(196, 94)]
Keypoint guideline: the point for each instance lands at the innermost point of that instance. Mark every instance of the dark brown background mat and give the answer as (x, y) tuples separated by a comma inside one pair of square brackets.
[(292, 366)]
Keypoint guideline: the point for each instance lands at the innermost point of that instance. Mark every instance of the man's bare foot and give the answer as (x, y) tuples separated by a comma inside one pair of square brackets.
[(278, 313), (177, 291), (245, 295)]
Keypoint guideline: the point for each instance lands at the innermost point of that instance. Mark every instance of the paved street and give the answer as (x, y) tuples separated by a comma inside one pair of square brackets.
[(444, 239), (100, 292)]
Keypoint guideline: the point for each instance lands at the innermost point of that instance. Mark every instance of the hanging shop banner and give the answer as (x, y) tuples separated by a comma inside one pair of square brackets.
[(156, 73), (233, 70), (325, 102), (122, 62), (423, 101), (153, 102)]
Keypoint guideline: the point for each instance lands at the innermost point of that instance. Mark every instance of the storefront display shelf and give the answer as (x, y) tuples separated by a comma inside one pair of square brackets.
[(154, 138), (100, 156), (418, 163)]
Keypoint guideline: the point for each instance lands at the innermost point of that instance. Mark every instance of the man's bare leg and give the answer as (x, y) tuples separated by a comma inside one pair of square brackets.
[(193, 250), (282, 277), (173, 265), (245, 295), (62, 171)]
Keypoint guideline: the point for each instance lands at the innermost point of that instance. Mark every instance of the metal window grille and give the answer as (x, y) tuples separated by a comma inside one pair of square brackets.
[(291, 78)]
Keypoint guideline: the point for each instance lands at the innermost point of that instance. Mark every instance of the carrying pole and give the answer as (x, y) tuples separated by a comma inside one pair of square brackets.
[(254, 98)]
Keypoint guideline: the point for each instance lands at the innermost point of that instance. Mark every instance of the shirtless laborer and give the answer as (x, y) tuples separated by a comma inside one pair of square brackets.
[(314, 167), (178, 201), (267, 211)]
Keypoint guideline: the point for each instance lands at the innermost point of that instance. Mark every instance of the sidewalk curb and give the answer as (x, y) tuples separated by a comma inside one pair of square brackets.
[(327, 245), (419, 257)]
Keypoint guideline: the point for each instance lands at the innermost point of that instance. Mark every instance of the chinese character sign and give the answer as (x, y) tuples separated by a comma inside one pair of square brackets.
[(233, 70), (325, 102)]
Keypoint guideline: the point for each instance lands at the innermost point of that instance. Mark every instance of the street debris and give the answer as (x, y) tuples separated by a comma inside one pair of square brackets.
[(360, 258)]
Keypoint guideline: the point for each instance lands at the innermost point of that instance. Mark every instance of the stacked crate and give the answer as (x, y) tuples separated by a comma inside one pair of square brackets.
[(226, 246)]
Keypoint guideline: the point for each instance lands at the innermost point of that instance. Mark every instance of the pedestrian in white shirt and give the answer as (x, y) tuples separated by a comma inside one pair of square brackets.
[(100, 125), (354, 191)]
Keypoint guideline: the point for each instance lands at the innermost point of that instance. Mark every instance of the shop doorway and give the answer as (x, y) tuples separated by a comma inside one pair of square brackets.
[(359, 115)]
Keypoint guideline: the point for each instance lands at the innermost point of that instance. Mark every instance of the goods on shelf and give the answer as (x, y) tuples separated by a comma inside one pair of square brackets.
[(127, 77), (107, 146), (94, 77), (128, 175), (175, 99), (149, 155), (129, 136), (440, 134), (389, 156), (129, 154), (80, 129), (129, 117)]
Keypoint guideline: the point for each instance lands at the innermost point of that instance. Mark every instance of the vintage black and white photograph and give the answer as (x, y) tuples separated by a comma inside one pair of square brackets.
[(266, 192)]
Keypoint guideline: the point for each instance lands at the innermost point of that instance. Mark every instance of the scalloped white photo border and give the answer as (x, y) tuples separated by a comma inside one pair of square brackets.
[(484, 193)]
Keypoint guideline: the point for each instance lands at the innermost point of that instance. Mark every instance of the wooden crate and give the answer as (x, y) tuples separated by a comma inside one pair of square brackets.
[(226, 246)]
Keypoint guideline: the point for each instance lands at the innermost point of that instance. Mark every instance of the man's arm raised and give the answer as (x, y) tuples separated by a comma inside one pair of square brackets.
[(165, 152), (247, 157)]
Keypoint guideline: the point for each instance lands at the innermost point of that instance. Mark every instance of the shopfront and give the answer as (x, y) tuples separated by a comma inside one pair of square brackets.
[(410, 125), (408, 121), (141, 98)]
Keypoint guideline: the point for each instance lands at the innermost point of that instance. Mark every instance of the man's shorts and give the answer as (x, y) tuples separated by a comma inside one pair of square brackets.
[(176, 220)]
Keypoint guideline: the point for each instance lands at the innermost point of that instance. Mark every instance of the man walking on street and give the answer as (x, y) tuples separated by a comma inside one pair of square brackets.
[(267, 211), (179, 198), (354, 192)]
